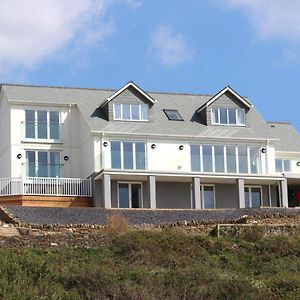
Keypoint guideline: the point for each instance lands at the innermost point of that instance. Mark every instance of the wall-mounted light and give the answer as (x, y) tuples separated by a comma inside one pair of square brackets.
[(19, 156), (263, 150), (181, 147), (153, 146), (66, 157), (105, 144), (298, 163)]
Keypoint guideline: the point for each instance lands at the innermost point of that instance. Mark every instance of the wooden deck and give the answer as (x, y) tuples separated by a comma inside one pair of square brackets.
[(46, 201)]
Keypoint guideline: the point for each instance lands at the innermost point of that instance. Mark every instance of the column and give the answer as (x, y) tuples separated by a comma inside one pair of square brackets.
[(197, 192), (152, 191), (284, 193), (106, 190), (241, 192)]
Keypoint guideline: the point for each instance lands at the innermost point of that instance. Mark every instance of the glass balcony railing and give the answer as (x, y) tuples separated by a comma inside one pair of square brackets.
[(42, 131), (42, 170)]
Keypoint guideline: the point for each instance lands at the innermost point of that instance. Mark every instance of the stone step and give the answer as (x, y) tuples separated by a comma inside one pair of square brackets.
[(9, 231)]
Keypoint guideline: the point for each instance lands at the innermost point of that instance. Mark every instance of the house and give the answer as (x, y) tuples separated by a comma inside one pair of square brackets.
[(133, 149)]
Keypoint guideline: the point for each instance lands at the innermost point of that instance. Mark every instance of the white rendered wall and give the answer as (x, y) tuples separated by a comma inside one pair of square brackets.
[(75, 141), (167, 157)]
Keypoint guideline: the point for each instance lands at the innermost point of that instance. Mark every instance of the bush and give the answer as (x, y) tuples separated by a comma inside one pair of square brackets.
[(253, 233), (116, 225)]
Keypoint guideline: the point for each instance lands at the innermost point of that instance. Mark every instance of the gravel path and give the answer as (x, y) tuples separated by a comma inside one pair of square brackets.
[(97, 216)]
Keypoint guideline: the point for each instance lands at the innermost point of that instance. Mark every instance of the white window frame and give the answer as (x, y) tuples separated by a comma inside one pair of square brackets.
[(218, 122), (36, 138), (250, 187), (130, 192), (259, 167), (202, 186), (36, 162), (282, 165), (133, 153), (130, 112)]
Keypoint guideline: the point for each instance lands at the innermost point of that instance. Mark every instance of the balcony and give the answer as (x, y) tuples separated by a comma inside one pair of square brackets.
[(42, 132), (45, 186)]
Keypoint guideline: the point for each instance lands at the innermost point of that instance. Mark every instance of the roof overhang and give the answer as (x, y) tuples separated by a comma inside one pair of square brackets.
[(222, 92), (126, 86)]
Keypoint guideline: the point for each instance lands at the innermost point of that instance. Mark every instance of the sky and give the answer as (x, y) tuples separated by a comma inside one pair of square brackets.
[(191, 46)]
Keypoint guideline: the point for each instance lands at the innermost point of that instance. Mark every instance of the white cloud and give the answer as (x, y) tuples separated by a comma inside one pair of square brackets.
[(272, 18), (170, 47), (33, 30)]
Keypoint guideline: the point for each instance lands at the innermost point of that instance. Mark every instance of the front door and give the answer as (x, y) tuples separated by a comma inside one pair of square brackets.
[(130, 195)]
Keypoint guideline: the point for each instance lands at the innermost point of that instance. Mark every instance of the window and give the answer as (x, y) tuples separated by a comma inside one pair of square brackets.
[(207, 158), (228, 116), (131, 112), (208, 196), (282, 165), (225, 159), (173, 114), (42, 124), (43, 163), (253, 196), (128, 155)]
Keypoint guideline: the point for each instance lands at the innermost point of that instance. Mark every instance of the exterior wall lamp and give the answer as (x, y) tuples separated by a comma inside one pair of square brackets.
[(66, 158), (19, 156), (298, 163), (181, 147), (153, 146), (263, 150), (105, 144)]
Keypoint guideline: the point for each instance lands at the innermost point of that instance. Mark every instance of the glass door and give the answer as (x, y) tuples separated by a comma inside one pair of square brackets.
[(130, 195)]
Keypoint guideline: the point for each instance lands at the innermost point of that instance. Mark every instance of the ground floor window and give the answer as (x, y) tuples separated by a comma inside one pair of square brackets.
[(253, 196), (130, 195), (208, 196), (42, 163)]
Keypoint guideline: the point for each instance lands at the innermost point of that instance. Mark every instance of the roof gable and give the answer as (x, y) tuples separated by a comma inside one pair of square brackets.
[(222, 92), (125, 87)]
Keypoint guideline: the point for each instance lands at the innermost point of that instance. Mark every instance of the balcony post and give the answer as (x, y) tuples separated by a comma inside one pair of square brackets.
[(106, 190), (57, 193), (241, 192), (197, 193)]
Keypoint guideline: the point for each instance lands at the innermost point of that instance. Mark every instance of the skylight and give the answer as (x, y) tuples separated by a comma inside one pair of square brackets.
[(173, 114)]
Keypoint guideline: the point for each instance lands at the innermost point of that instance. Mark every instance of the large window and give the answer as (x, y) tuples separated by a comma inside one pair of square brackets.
[(128, 155), (131, 112), (228, 116), (283, 165), (42, 124), (226, 159), (43, 163)]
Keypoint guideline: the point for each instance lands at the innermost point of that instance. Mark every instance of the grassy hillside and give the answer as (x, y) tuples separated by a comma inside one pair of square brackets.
[(164, 264)]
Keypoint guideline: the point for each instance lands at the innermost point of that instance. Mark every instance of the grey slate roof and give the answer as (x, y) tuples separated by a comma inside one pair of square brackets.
[(289, 139), (88, 101)]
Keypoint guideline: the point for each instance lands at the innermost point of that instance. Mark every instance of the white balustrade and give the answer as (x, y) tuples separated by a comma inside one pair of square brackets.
[(50, 186)]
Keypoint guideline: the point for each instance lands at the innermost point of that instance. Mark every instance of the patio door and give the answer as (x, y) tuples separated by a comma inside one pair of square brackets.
[(130, 195), (253, 196)]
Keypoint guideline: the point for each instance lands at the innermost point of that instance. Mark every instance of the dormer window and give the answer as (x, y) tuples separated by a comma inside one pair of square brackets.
[(228, 116), (131, 112)]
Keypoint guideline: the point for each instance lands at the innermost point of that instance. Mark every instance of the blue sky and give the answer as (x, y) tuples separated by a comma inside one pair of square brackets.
[(193, 46)]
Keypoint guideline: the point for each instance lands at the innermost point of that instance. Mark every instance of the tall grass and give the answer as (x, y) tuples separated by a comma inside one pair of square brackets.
[(148, 264)]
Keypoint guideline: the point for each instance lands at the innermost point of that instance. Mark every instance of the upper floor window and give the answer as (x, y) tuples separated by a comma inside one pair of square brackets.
[(228, 116), (131, 112), (42, 124), (128, 155), (282, 165), (225, 159), (43, 163)]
